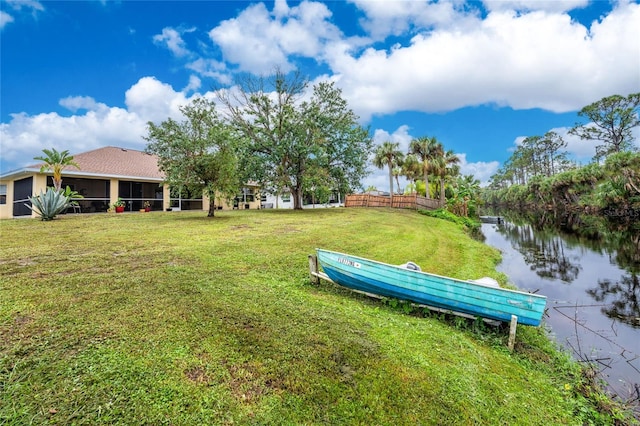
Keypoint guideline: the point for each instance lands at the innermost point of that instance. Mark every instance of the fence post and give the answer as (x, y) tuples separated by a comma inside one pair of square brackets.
[(313, 269), (512, 332)]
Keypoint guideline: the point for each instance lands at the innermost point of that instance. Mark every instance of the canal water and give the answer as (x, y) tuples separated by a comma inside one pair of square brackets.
[(591, 279)]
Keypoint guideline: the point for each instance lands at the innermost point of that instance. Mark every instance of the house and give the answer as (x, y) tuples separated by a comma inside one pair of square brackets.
[(285, 201), (106, 174)]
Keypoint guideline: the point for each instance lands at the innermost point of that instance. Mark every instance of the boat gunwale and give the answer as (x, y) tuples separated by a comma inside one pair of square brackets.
[(455, 280)]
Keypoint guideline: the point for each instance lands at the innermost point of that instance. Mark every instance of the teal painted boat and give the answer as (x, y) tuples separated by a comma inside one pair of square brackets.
[(478, 299)]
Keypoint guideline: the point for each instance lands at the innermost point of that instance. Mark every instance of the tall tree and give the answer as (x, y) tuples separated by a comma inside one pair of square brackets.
[(552, 156), (56, 162), (387, 154), (427, 149), (198, 153), (295, 144), (397, 172), (341, 146), (445, 166), (611, 121), (412, 169)]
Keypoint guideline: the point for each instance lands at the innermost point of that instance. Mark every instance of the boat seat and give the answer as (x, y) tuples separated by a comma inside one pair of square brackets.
[(486, 281), (410, 265)]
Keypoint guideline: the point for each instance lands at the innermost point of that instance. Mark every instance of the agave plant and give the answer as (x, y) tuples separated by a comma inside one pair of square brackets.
[(49, 204)]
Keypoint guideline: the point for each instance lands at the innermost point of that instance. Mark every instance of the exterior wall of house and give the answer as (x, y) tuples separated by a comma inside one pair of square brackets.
[(270, 201), (6, 205), (40, 184), (113, 191), (242, 203), (166, 197)]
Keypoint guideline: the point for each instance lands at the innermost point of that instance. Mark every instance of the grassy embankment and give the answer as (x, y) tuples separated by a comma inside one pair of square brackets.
[(173, 318)]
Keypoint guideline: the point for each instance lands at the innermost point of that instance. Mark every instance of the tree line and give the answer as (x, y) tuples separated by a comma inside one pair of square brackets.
[(539, 173), (274, 131), (268, 130), (432, 170)]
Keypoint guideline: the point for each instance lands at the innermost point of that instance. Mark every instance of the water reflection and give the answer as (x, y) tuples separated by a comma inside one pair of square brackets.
[(620, 298), (545, 254), (589, 270)]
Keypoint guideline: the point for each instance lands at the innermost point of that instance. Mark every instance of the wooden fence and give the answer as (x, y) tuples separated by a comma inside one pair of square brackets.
[(397, 201)]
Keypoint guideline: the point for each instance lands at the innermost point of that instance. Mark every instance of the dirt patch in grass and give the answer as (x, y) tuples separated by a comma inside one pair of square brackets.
[(197, 375), (249, 381)]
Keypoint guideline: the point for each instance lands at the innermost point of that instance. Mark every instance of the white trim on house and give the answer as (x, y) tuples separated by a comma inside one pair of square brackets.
[(26, 171)]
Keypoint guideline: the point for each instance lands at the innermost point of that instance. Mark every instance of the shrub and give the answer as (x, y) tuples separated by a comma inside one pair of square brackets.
[(466, 222), (49, 204)]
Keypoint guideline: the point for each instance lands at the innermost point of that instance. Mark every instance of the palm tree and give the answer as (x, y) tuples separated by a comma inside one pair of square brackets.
[(56, 161), (388, 155), (411, 168), (466, 193), (427, 149), (445, 165), (397, 172)]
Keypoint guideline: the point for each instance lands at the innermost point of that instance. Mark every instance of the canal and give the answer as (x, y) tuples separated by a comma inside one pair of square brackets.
[(590, 273)]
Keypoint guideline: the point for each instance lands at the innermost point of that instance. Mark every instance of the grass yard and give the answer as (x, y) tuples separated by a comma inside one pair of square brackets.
[(175, 318)]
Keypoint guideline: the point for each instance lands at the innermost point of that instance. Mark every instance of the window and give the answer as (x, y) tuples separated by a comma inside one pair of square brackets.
[(286, 197), (3, 194)]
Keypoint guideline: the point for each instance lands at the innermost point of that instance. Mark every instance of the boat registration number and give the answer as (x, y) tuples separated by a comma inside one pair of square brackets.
[(349, 262)]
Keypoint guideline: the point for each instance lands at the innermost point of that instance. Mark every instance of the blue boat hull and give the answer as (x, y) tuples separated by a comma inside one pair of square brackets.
[(432, 290)]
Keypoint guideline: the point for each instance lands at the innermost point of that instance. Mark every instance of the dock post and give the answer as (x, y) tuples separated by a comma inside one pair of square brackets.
[(512, 332), (313, 269)]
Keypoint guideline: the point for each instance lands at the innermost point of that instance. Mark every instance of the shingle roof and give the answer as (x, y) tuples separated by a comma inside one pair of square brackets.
[(114, 161)]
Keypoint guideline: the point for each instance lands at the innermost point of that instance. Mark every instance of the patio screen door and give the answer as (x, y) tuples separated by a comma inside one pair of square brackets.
[(22, 190)]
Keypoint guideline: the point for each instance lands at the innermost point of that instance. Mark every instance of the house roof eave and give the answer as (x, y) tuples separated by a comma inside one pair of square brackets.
[(26, 171)]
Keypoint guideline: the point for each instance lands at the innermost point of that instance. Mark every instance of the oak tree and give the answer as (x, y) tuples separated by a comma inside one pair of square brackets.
[(293, 144), (198, 153)]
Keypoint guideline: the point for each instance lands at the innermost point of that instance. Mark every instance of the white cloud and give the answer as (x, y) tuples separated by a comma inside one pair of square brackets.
[(20, 6), (172, 40), (400, 135), (30, 5), (498, 60), (529, 5), (211, 68), (154, 100), (400, 17), (580, 150), (75, 103), (24, 136), (194, 84), (5, 19), (481, 170), (455, 59), (258, 41)]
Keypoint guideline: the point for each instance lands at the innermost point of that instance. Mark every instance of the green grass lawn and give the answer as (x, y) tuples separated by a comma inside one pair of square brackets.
[(175, 318)]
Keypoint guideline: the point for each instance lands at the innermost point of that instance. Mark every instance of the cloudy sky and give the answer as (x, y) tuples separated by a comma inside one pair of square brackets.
[(478, 75)]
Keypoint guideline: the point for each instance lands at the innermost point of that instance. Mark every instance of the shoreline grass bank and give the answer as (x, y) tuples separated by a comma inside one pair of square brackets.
[(175, 318)]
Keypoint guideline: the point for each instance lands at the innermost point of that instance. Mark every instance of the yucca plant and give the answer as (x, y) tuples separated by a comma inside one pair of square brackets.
[(49, 204)]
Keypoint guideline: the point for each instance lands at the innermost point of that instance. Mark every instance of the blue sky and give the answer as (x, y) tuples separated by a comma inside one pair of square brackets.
[(479, 76)]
